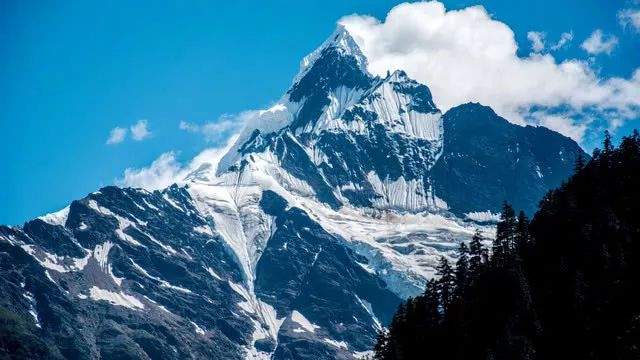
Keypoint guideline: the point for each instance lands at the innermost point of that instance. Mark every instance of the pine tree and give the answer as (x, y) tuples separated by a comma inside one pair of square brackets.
[(503, 245), (522, 232), (476, 253), (629, 146), (395, 347), (446, 282), (607, 143), (382, 348), (462, 270), (432, 302), (579, 164)]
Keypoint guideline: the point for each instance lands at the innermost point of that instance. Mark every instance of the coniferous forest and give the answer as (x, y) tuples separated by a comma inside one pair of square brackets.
[(564, 285)]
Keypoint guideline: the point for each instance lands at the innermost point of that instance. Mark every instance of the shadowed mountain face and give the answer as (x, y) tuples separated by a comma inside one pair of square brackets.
[(487, 160), (331, 207)]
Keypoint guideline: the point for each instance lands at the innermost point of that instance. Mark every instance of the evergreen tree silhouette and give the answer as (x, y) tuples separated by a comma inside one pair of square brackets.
[(503, 244), (521, 232), (476, 254), (446, 283), (579, 163), (462, 270), (607, 144), (561, 286)]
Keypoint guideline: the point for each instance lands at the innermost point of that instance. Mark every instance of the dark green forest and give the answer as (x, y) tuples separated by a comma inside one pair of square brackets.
[(561, 286)]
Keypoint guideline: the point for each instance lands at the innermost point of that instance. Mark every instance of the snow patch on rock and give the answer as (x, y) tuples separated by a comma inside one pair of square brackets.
[(115, 298), (483, 216), (56, 218), (305, 325), (338, 344)]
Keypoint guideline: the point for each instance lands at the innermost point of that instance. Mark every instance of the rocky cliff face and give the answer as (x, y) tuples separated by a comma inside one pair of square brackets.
[(330, 208)]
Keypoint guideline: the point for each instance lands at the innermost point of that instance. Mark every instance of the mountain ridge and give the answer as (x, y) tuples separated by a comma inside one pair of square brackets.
[(331, 208)]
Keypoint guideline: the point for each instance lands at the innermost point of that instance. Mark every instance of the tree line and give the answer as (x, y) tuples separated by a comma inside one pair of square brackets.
[(561, 286)]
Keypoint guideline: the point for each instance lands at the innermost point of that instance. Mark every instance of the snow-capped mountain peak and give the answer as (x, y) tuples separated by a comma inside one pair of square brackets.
[(342, 41), (331, 78), (299, 242)]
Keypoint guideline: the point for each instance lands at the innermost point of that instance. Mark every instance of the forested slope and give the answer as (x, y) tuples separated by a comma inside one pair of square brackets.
[(563, 286)]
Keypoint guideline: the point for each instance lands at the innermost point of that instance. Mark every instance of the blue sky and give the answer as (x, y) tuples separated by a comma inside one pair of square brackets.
[(72, 71)]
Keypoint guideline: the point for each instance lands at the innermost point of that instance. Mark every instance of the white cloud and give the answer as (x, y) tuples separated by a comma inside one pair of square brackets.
[(537, 40), (220, 129), (598, 43), (629, 17), (160, 174), (465, 55), (565, 38), (187, 126), (167, 170), (116, 135), (564, 125), (140, 131)]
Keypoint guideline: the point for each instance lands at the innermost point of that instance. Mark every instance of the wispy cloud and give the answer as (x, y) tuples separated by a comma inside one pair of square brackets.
[(220, 129), (537, 40), (629, 18), (563, 124), (161, 173), (140, 130), (116, 135), (599, 43), (167, 170), (565, 39), (187, 126)]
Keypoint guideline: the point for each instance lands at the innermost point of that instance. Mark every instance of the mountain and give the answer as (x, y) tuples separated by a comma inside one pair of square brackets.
[(332, 207), (560, 287), (488, 160)]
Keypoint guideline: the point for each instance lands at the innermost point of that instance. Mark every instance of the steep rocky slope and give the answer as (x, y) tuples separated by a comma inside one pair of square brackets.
[(331, 207)]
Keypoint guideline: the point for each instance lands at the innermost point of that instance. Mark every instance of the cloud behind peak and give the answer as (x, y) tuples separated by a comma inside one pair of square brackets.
[(467, 56)]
